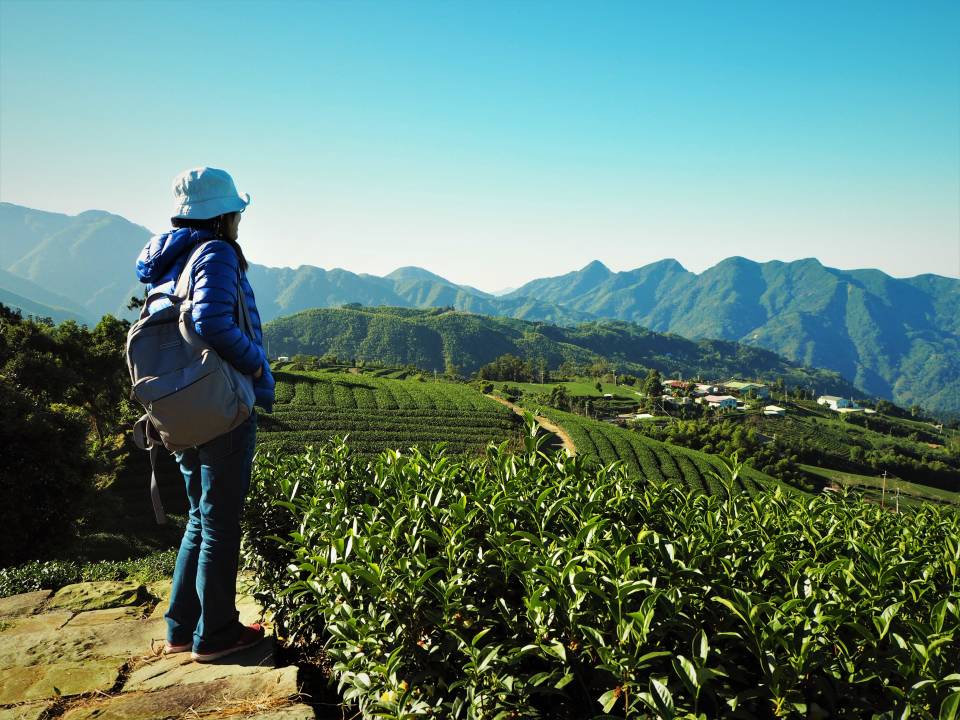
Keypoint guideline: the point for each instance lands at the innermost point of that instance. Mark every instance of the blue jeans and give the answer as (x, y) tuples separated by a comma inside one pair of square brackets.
[(203, 598)]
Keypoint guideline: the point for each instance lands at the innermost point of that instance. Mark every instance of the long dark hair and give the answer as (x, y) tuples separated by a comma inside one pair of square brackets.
[(213, 225)]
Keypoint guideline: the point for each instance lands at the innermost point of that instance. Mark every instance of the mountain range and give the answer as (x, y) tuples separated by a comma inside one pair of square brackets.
[(897, 338)]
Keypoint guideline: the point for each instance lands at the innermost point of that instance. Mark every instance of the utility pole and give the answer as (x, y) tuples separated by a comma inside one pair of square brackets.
[(883, 492), (898, 499)]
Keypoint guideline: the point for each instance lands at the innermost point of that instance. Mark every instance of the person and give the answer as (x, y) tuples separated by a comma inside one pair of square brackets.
[(202, 617)]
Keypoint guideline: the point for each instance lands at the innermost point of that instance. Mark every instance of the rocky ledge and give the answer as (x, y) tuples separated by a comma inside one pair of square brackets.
[(94, 650)]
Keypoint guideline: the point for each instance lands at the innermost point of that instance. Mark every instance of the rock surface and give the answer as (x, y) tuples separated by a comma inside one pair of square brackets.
[(24, 604), (109, 615), (228, 695), (37, 682), (99, 595), (33, 711), (97, 647), (179, 669), (32, 624)]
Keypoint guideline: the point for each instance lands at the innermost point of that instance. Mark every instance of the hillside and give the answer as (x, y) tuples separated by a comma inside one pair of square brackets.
[(377, 413), (88, 258), (91, 257), (437, 339), (893, 338), (651, 459), (32, 299)]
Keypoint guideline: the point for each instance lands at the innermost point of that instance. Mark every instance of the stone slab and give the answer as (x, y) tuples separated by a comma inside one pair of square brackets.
[(33, 623), (179, 669), (98, 595), (23, 604), (33, 711), (288, 712), (160, 590), (124, 638), (37, 682), (108, 615), (159, 609), (225, 694)]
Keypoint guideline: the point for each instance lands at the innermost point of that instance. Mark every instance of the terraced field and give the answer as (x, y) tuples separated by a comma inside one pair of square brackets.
[(651, 458), (379, 413)]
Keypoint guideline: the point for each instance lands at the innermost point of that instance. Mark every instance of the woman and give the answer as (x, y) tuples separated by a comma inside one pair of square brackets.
[(203, 616)]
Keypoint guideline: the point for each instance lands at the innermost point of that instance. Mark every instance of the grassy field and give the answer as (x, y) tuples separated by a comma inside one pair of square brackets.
[(874, 486), (651, 458), (379, 413)]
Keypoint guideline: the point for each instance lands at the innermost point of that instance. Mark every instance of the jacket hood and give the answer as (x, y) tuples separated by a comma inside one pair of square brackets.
[(161, 251)]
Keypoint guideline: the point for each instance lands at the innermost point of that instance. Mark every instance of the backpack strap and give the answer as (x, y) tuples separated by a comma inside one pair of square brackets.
[(247, 325), (146, 437), (182, 289)]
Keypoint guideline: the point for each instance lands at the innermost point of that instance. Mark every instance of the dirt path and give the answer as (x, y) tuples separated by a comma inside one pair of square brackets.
[(545, 423)]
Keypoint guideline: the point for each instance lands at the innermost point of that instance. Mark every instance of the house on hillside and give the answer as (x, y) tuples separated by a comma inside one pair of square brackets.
[(774, 411), (836, 403), (724, 402), (702, 389), (745, 388)]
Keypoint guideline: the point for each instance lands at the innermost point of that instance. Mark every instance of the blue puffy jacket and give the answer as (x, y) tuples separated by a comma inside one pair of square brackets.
[(214, 286)]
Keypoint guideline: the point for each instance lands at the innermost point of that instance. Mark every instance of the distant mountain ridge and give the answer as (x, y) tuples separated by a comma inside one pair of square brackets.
[(894, 337)]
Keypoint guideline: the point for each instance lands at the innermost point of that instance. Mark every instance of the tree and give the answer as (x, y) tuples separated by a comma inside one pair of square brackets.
[(50, 400), (506, 367), (653, 384), (600, 367), (560, 398), (542, 369)]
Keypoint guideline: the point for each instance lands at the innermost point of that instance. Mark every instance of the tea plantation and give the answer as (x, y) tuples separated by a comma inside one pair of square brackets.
[(378, 413), (531, 585), (650, 458)]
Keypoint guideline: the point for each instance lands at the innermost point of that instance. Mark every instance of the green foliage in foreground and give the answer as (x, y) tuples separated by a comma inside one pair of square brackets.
[(533, 586), (54, 574)]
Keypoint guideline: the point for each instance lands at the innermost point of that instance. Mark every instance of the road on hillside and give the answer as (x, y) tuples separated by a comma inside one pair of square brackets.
[(545, 423)]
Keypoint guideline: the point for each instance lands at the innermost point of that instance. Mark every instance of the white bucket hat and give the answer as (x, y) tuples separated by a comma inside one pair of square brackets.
[(206, 192)]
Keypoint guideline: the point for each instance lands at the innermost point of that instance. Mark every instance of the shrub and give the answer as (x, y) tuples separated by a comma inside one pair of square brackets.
[(54, 574), (534, 586)]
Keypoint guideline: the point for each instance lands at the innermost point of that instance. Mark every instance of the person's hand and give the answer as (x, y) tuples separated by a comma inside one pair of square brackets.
[(259, 373)]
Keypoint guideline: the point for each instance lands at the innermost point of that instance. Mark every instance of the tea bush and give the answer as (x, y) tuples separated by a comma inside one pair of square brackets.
[(652, 459), (54, 574), (377, 413), (528, 585)]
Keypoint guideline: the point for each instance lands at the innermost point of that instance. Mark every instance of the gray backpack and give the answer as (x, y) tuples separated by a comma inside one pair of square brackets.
[(190, 393)]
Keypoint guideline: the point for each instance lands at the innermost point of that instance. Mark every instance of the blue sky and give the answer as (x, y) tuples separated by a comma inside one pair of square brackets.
[(495, 142)]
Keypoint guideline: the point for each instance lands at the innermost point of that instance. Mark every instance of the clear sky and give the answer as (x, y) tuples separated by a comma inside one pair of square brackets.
[(494, 142)]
